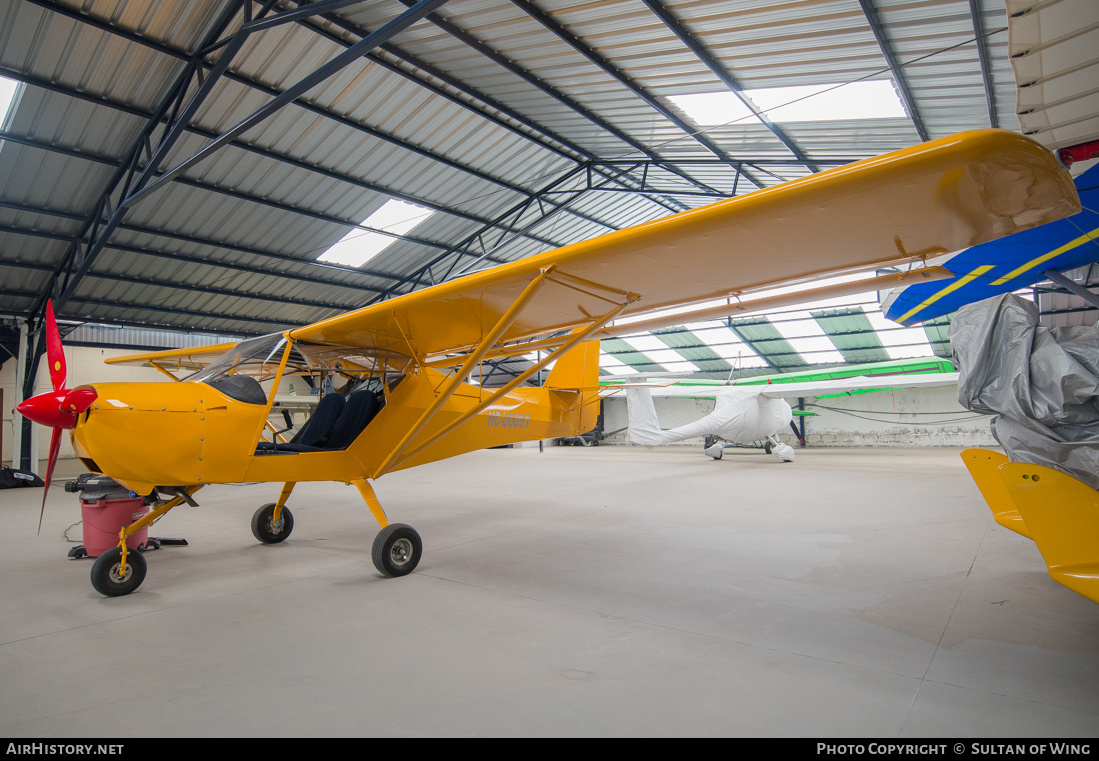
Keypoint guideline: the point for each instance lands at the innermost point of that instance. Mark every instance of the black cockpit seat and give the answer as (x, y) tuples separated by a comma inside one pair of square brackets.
[(361, 408), (314, 434)]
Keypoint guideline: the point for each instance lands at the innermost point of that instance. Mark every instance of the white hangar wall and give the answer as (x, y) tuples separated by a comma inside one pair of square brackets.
[(902, 418)]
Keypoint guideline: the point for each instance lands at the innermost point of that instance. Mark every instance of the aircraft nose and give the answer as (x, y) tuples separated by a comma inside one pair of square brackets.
[(58, 409)]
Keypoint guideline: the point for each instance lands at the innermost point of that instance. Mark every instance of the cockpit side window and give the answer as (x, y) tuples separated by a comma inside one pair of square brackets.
[(243, 388)]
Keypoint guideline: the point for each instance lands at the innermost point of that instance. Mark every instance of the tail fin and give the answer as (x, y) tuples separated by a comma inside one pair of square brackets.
[(1062, 515), (644, 426), (576, 369)]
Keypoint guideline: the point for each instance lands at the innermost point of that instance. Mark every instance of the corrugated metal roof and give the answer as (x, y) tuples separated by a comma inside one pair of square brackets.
[(472, 112)]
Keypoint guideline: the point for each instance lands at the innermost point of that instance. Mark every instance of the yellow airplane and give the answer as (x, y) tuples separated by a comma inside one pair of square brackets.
[(408, 359)]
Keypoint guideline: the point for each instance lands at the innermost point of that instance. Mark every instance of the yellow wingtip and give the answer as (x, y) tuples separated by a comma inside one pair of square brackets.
[(984, 467), (1062, 515)]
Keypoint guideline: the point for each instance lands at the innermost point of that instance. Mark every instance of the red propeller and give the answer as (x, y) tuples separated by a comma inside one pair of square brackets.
[(59, 408)]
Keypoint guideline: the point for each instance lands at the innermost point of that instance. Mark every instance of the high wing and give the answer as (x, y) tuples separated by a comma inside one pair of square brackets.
[(1005, 265), (172, 361), (903, 207), (920, 202)]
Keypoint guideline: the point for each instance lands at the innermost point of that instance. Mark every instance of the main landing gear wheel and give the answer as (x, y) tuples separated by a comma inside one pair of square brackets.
[(266, 529), (106, 576), (397, 549)]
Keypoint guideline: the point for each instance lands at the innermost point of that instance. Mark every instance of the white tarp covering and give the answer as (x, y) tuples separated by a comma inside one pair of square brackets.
[(1041, 384)]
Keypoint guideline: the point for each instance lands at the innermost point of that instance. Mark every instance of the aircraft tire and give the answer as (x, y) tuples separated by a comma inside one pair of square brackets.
[(718, 455), (105, 576), (264, 531), (767, 447), (397, 549)]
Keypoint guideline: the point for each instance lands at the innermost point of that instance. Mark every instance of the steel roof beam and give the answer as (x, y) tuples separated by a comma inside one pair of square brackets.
[(162, 310), (986, 67), (48, 4), (231, 76), (236, 194), (143, 186), (166, 106), (180, 55), (500, 60), (464, 248), (597, 60), (872, 18), (573, 150), (687, 38), (188, 259), (189, 287), (324, 114), (278, 157)]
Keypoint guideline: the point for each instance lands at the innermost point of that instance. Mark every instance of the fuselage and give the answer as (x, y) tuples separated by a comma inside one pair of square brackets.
[(146, 435)]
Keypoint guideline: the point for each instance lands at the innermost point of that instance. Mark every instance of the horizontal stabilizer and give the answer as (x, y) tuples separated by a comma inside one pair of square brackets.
[(1062, 515), (984, 466)]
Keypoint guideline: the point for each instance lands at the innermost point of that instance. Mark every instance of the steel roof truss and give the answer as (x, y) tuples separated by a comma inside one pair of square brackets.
[(886, 46), (986, 67)]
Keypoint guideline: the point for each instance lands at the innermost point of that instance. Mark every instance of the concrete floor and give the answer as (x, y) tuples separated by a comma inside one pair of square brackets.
[(609, 591)]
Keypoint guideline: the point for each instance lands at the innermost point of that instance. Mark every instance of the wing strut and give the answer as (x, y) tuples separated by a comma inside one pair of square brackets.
[(471, 362), (391, 461), (577, 338)]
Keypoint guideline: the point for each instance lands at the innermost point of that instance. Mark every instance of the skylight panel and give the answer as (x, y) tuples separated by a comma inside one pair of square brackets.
[(874, 99), (712, 109), (661, 353), (726, 344), (615, 366), (803, 333), (359, 246), (899, 342), (10, 91)]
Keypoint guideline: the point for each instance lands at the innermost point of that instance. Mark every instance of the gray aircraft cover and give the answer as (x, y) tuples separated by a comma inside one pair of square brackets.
[(1041, 384)]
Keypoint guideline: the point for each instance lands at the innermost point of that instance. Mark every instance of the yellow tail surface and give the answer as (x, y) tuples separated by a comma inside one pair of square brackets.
[(578, 371), (984, 466), (1062, 516)]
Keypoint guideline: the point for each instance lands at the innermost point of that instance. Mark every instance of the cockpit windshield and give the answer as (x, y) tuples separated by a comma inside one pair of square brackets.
[(237, 373)]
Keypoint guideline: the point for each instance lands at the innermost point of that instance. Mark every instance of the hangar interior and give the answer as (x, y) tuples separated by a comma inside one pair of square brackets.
[(179, 174)]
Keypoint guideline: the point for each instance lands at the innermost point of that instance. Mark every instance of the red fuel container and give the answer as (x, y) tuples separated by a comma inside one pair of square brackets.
[(105, 507), (105, 518)]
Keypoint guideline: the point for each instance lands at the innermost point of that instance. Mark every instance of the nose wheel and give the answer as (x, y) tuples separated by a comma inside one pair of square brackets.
[(396, 550), (110, 580)]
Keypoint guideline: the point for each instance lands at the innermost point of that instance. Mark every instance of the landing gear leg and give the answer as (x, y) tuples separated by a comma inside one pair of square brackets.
[(397, 547), (120, 570)]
